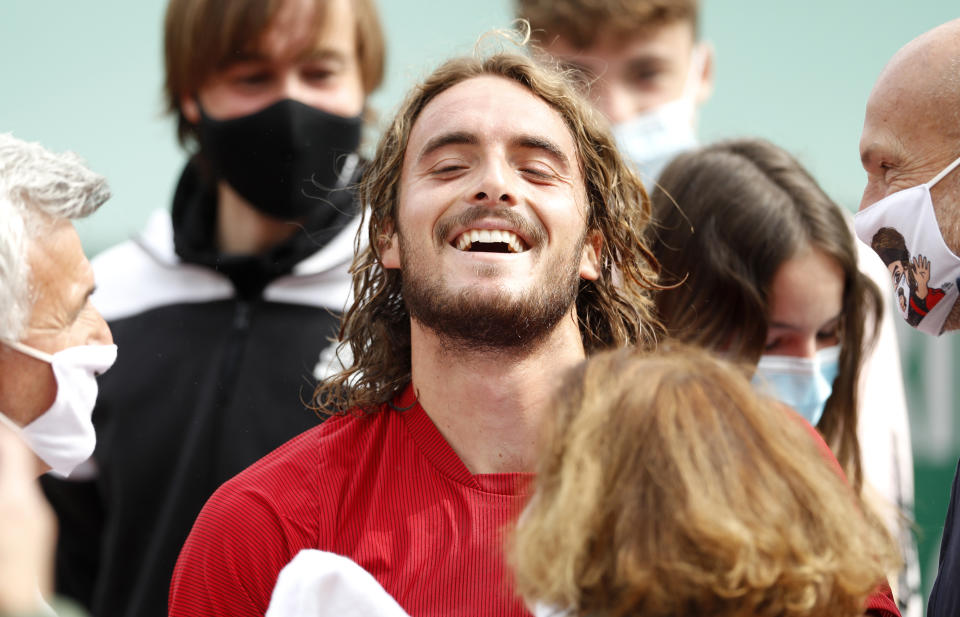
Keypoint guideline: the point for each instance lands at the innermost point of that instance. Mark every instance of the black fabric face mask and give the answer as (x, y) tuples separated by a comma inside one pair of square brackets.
[(284, 159)]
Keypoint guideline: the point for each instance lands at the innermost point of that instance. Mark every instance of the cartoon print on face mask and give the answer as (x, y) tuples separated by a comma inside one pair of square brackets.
[(911, 278)]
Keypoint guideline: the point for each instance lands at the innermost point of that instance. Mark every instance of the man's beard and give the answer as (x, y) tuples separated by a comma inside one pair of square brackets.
[(474, 321)]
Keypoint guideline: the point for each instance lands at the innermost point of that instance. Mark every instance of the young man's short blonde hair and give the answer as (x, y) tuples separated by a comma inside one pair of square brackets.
[(666, 486), (581, 22)]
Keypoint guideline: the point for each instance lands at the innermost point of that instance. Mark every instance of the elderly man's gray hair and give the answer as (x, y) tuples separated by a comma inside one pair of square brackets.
[(37, 187)]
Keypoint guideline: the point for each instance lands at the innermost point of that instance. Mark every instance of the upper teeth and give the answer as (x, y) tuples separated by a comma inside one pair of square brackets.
[(467, 238)]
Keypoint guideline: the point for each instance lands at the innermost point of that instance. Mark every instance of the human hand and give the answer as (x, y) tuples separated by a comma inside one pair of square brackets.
[(921, 272), (27, 529)]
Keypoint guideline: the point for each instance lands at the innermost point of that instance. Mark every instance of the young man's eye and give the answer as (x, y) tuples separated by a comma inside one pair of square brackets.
[(318, 74), (642, 76), (252, 79)]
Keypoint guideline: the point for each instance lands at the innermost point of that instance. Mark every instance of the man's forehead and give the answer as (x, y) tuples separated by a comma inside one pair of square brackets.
[(488, 106), (661, 39), (58, 267), (305, 29)]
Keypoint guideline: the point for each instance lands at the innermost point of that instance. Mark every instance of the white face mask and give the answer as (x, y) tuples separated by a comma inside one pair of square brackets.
[(652, 138), (63, 436), (905, 229), (804, 384)]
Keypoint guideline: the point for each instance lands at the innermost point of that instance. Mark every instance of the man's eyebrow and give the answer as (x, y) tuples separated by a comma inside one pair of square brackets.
[(542, 143), (447, 139), (317, 55), (647, 60), (241, 56)]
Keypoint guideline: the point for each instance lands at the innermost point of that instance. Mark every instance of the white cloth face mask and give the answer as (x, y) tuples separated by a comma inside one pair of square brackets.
[(902, 228), (652, 138), (63, 436), (803, 384)]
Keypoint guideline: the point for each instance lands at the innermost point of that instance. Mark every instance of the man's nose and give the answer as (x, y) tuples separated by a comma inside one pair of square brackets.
[(496, 186), (293, 87), (101, 334)]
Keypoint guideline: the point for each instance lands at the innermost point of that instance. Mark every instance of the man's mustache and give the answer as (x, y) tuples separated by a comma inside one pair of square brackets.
[(533, 232)]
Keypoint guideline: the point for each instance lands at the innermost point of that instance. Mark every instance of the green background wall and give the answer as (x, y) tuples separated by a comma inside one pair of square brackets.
[(86, 75)]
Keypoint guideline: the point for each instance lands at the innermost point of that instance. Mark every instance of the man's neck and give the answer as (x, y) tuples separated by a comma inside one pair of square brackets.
[(488, 405), (244, 230)]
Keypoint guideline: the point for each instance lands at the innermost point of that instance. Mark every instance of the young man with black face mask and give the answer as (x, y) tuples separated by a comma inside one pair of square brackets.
[(224, 305)]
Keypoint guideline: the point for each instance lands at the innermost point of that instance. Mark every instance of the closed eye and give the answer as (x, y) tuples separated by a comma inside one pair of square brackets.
[(447, 169), (537, 173)]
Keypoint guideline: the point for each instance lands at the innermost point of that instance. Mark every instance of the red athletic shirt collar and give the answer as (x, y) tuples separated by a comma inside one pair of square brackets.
[(436, 449)]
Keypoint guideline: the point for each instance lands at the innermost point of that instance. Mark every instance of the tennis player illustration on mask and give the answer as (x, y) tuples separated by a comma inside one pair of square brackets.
[(911, 277)]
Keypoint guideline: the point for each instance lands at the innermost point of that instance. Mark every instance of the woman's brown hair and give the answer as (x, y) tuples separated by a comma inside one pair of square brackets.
[(727, 217), (614, 310), (667, 486)]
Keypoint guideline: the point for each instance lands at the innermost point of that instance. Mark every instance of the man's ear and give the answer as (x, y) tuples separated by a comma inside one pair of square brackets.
[(591, 259), (389, 247), (190, 109), (705, 79)]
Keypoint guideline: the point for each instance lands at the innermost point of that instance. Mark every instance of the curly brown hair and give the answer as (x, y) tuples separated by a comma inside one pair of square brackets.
[(614, 310), (667, 486)]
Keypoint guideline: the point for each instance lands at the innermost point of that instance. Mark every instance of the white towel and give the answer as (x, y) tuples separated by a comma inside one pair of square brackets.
[(318, 583)]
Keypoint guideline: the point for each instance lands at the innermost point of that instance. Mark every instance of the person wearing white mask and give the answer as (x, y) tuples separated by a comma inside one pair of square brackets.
[(640, 61), (910, 149), (53, 344)]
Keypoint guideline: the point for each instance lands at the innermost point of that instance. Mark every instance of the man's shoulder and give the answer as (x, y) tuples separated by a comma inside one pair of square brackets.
[(144, 273), (322, 454)]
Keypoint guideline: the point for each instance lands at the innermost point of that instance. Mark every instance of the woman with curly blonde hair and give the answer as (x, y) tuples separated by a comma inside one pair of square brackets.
[(668, 487)]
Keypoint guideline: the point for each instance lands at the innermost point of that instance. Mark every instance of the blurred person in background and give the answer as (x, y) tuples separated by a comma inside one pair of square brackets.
[(910, 149), (224, 303), (666, 486), (646, 67), (53, 344), (641, 62)]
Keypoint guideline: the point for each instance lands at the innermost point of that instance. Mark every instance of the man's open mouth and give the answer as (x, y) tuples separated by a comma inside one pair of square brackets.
[(489, 241)]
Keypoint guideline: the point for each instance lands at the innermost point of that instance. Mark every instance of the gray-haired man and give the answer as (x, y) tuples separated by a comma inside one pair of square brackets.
[(53, 343)]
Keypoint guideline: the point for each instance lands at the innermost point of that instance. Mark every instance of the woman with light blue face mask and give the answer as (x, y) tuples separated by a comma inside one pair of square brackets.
[(765, 271)]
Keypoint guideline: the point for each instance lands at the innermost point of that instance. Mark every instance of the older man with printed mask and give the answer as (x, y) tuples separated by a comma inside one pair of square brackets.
[(910, 148), (53, 343)]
